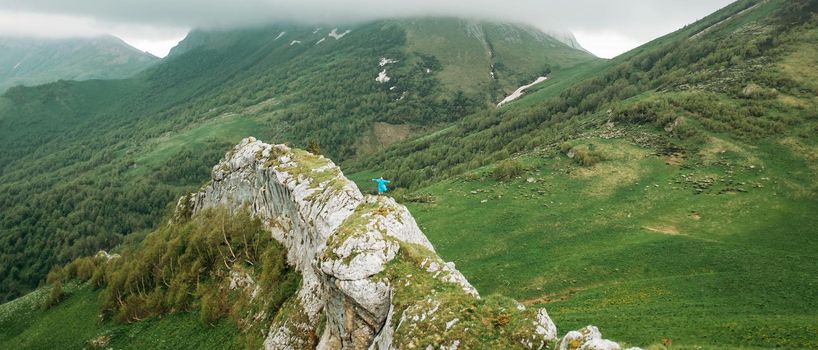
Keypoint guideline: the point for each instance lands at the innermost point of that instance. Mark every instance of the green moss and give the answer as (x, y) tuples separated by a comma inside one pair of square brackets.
[(447, 314), (275, 154), (292, 316), (353, 225), (307, 164)]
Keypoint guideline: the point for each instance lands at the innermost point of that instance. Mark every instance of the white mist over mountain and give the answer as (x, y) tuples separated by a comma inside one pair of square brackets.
[(605, 28)]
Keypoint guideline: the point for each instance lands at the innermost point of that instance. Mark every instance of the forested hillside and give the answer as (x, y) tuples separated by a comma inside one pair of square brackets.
[(86, 163)]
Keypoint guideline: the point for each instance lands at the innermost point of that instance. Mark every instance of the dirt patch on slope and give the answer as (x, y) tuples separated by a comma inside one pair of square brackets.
[(387, 134), (383, 135), (620, 168), (675, 159), (810, 153), (717, 147)]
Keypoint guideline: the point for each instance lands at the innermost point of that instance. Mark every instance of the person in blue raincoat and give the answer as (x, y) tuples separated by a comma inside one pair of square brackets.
[(382, 184)]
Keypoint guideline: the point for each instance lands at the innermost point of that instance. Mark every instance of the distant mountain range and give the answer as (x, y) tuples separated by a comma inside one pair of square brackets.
[(34, 61), (566, 38)]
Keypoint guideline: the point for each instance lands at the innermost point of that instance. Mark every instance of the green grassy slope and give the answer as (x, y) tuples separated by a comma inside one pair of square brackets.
[(74, 324), (471, 50), (631, 246), (691, 219), (32, 61)]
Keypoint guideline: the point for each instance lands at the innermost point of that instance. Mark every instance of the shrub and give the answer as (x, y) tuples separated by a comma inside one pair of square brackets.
[(211, 309), (313, 147), (55, 296), (404, 196), (507, 170), (565, 147), (56, 274), (182, 267), (585, 155)]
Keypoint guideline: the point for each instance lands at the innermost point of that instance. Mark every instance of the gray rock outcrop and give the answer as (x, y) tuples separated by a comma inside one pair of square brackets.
[(370, 278)]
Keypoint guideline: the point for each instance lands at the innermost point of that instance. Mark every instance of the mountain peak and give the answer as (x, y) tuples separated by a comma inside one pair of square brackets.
[(33, 61)]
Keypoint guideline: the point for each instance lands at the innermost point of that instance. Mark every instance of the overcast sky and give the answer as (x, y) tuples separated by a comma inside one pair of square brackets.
[(605, 27)]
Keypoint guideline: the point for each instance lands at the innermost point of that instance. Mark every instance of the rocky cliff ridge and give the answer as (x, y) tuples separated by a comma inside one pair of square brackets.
[(371, 278)]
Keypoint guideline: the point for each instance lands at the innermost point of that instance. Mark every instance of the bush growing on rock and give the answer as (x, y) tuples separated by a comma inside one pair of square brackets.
[(209, 263)]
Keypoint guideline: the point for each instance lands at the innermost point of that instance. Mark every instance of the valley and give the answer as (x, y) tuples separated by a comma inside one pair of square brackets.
[(666, 196)]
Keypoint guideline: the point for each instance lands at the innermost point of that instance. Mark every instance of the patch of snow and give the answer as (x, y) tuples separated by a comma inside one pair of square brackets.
[(519, 93), (384, 61), (321, 41), (316, 30), (279, 36), (382, 77), (295, 42), (334, 33), (17, 65), (393, 88)]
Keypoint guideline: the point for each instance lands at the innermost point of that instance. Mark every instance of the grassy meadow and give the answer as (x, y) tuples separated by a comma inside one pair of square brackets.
[(74, 324), (713, 249)]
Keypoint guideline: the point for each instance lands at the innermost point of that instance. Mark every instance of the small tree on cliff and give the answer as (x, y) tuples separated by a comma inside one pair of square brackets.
[(313, 147)]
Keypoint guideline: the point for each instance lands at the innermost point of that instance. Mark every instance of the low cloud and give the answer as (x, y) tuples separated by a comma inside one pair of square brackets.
[(630, 16), (634, 20)]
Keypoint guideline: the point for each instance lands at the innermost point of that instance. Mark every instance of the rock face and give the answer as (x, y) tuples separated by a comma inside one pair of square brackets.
[(370, 278), (588, 338)]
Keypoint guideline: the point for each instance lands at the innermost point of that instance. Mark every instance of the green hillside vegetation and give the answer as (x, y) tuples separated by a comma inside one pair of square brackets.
[(33, 61), (713, 67), (86, 163), (689, 217), (183, 287), (74, 324), (666, 196), (470, 51)]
